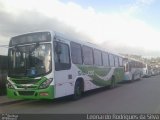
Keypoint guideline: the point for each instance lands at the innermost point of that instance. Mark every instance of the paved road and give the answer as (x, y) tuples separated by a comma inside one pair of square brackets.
[(141, 96)]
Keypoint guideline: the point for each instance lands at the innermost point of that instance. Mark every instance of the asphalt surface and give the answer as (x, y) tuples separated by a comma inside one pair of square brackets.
[(142, 96)]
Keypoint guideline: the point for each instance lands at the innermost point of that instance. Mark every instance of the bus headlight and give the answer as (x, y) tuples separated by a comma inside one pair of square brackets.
[(46, 83), (9, 85)]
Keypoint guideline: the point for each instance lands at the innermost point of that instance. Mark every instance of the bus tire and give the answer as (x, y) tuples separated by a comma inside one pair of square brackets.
[(132, 78), (113, 83), (140, 76), (78, 90)]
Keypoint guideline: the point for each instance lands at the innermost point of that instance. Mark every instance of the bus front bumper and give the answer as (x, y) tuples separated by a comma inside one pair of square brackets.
[(47, 93)]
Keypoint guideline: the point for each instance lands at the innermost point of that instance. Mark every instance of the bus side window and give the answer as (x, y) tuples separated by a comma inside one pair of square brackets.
[(116, 61), (87, 55), (111, 60), (97, 57), (61, 56), (120, 61), (105, 59), (76, 53)]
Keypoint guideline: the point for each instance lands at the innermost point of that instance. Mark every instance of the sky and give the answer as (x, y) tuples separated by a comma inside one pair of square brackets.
[(122, 26)]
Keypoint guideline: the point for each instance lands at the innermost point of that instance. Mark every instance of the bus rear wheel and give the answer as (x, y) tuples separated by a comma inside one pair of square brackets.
[(113, 83), (132, 78), (78, 90)]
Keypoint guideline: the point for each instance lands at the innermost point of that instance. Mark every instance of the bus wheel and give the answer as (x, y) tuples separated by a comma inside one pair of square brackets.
[(132, 78), (140, 76), (113, 83), (78, 89)]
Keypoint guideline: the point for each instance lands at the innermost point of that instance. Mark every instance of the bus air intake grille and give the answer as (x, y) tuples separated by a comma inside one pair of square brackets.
[(26, 93), (32, 87), (33, 81)]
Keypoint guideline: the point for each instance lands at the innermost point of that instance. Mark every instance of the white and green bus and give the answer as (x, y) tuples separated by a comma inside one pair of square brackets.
[(133, 69), (49, 65)]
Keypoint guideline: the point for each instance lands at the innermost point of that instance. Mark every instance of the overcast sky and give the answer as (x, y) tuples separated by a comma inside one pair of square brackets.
[(124, 26)]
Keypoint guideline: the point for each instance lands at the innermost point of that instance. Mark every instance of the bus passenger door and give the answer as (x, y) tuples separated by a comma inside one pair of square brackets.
[(62, 75)]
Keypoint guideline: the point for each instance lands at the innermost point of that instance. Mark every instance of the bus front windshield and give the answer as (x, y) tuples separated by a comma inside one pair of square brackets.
[(30, 60)]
